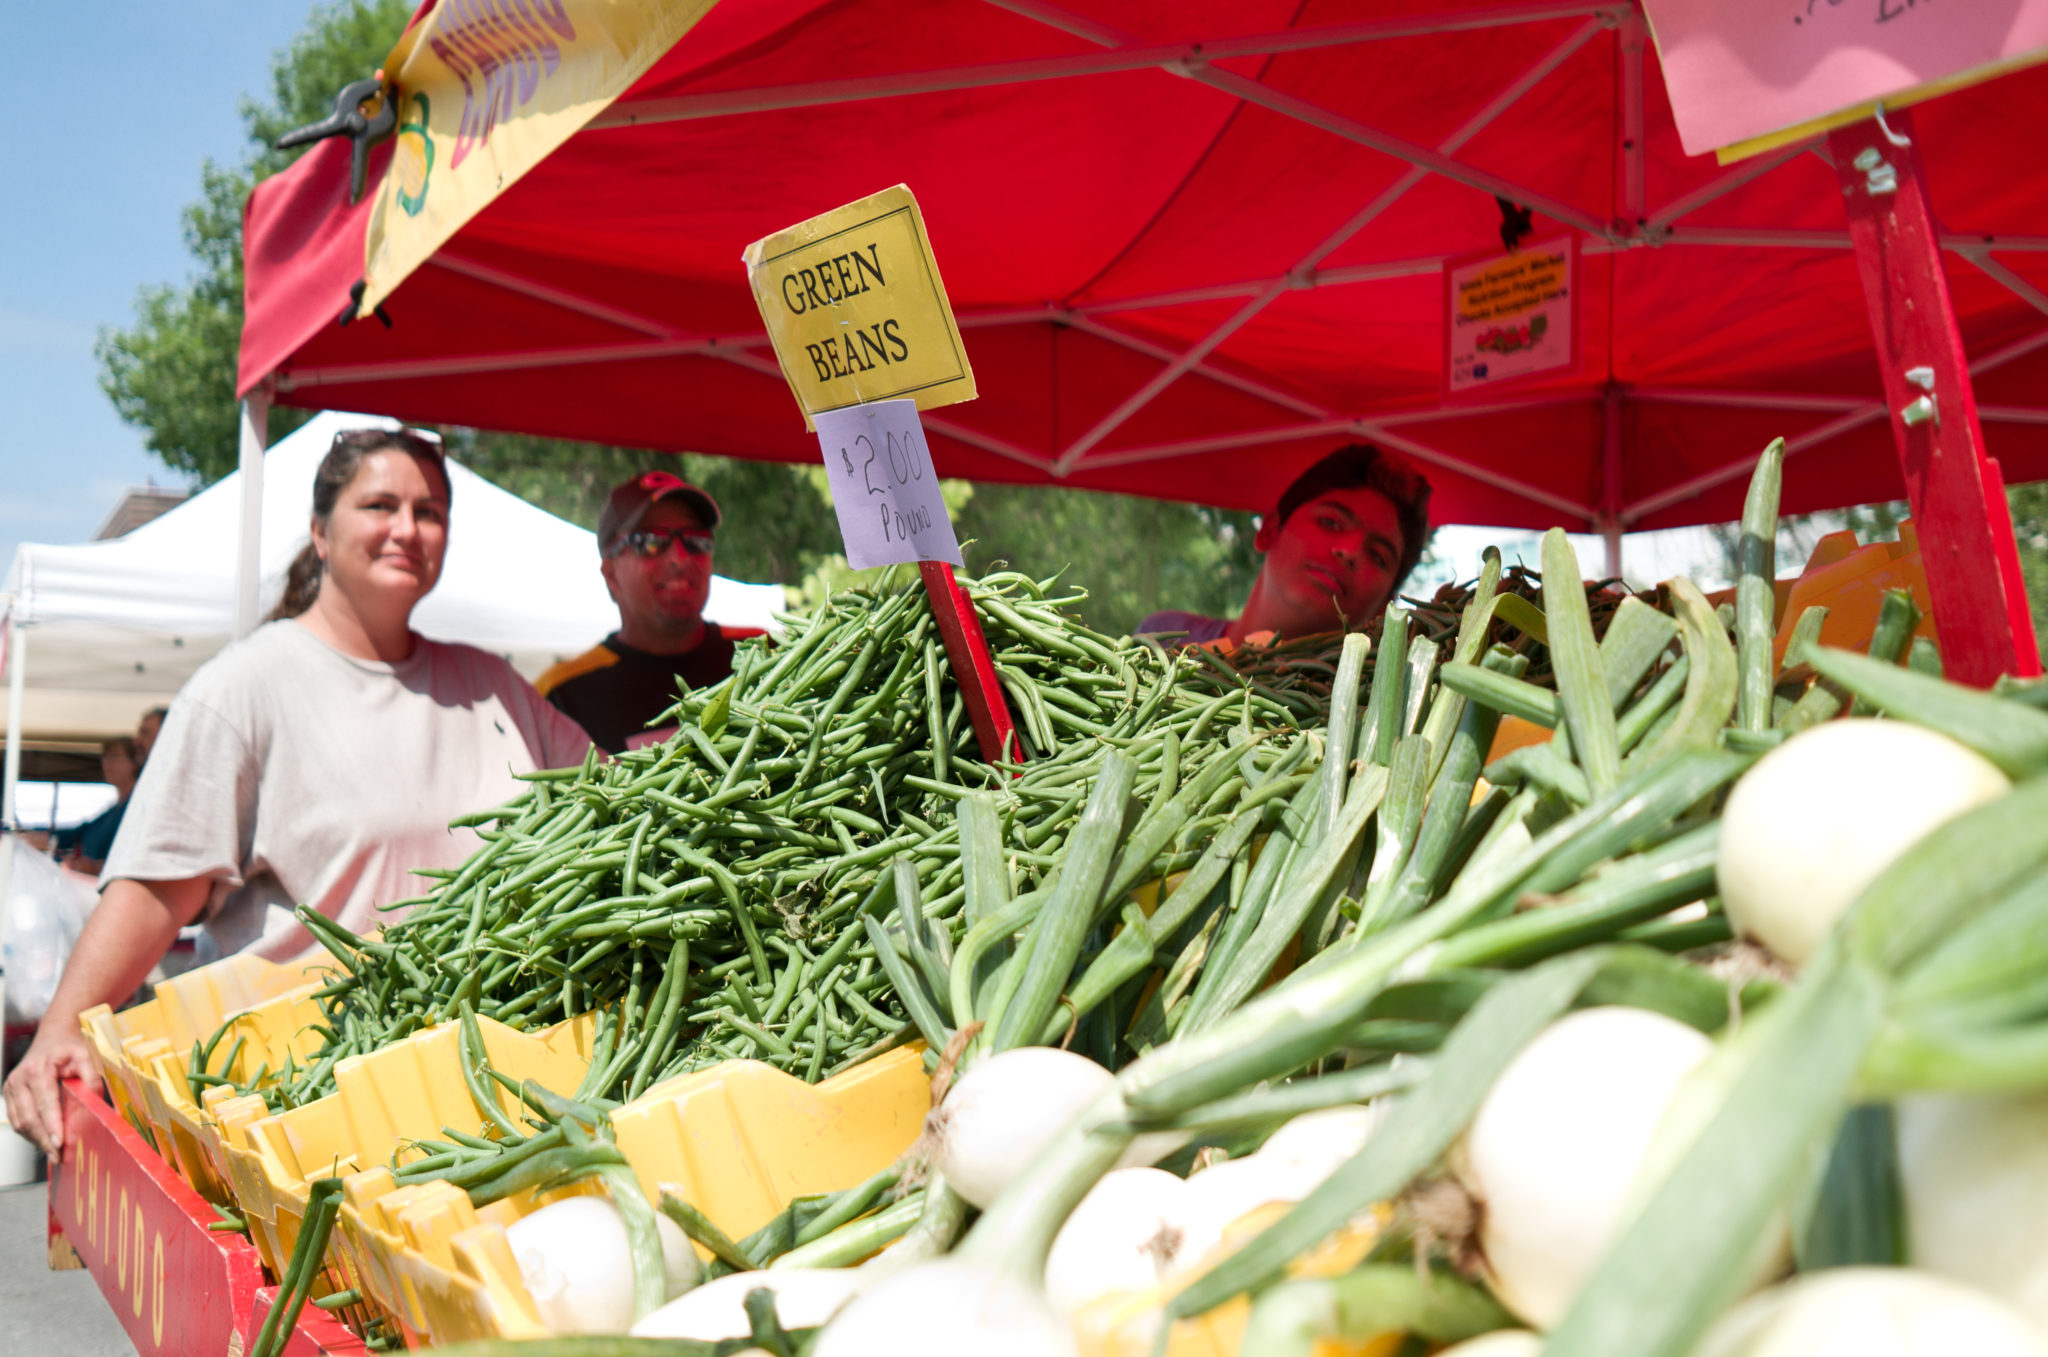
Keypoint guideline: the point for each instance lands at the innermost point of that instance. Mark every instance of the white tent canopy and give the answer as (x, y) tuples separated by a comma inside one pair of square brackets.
[(109, 629)]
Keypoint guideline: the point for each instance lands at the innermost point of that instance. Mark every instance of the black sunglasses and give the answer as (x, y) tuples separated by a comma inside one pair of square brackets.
[(651, 542)]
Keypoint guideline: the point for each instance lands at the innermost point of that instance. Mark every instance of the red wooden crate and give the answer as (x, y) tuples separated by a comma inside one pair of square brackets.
[(118, 1210)]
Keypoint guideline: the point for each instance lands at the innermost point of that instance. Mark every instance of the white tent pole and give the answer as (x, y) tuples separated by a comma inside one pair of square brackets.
[(17, 671), (249, 564), (1610, 479)]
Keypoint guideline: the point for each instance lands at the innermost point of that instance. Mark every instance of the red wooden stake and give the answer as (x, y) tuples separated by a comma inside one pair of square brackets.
[(973, 670), (1957, 493)]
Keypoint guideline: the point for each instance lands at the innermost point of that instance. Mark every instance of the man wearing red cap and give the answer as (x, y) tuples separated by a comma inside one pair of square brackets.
[(655, 535)]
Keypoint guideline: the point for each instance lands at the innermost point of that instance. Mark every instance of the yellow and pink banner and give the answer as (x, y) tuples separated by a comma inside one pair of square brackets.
[(486, 90)]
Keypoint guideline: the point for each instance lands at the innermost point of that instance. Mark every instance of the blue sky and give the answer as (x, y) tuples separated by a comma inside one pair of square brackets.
[(109, 106)]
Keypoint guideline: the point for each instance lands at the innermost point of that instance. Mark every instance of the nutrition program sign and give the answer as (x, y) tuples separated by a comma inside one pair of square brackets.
[(1510, 317), (856, 309)]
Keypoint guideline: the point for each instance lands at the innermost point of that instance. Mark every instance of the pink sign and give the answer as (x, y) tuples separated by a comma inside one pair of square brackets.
[(1741, 69)]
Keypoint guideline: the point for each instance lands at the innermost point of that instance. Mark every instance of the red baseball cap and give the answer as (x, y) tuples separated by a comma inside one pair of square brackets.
[(628, 503)]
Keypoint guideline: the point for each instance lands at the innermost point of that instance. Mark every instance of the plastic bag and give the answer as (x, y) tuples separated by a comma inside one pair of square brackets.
[(46, 907)]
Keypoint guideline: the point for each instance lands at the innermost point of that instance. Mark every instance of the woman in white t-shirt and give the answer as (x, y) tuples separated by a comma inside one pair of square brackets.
[(318, 761)]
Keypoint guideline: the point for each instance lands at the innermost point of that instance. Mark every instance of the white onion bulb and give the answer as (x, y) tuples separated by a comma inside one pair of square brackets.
[(1005, 1110), (948, 1309), (804, 1299), (1871, 1312), (578, 1267), (1975, 1170), (1821, 816), (1324, 1141), (1557, 1145), (1122, 1237), (1217, 1198)]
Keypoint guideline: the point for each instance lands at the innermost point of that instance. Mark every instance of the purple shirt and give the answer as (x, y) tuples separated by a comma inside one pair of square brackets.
[(1199, 629)]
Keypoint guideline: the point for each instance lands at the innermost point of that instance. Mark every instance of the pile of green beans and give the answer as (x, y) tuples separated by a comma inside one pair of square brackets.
[(714, 897), (724, 894)]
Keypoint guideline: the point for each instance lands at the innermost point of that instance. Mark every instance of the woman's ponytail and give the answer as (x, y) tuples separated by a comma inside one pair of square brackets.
[(301, 585)]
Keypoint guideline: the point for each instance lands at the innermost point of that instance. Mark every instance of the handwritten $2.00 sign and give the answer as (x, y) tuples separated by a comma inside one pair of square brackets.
[(883, 485), (1741, 70)]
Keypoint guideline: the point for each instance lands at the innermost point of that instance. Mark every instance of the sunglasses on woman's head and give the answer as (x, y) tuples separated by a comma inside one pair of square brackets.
[(419, 442), (651, 542)]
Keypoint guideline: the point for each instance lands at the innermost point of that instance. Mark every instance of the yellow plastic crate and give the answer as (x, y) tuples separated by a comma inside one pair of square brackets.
[(145, 1051), (739, 1141), (409, 1089)]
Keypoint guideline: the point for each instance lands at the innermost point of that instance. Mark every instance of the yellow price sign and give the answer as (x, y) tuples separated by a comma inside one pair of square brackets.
[(856, 309)]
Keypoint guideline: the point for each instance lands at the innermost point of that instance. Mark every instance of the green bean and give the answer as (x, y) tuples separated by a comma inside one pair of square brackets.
[(474, 1061), (1634, 724), (1581, 677), (1204, 1004), (1060, 928), (1755, 584), (919, 941), (676, 977), (1711, 682), (1896, 619), (1157, 830), (1377, 734), (1449, 803), (788, 787), (1399, 820), (1322, 863)]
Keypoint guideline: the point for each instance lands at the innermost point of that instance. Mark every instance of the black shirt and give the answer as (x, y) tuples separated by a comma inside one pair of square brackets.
[(614, 690)]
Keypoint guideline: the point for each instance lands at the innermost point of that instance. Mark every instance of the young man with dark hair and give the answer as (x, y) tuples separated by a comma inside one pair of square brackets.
[(1337, 546), (656, 538)]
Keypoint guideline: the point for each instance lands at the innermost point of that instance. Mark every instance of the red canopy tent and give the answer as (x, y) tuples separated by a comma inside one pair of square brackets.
[(1192, 244)]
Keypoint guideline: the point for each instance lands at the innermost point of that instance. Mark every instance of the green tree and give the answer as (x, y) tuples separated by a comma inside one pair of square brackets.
[(1130, 556), (778, 526), (172, 373), (2030, 524), (1133, 556)]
